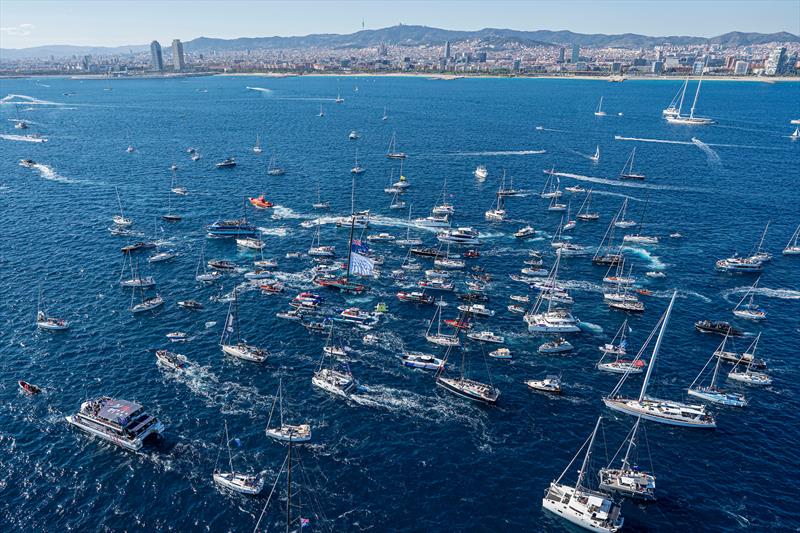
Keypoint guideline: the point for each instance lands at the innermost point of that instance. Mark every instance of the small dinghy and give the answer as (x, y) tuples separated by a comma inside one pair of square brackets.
[(29, 388)]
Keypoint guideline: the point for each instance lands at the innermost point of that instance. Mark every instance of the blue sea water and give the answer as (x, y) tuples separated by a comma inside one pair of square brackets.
[(402, 455)]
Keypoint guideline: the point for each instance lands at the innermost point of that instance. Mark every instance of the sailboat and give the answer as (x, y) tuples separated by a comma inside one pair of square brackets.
[(385, 117), (319, 204), (339, 98), (145, 303), (285, 432), (620, 221), (570, 222), (257, 147), (548, 191), (712, 393), (363, 265), (169, 216), (440, 338), (397, 201), (19, 124), (664, 411), (583, 211), (638, 238), (552, 320), (236, 481), (759, 254), (627, 480), (321, 111), (317, 249), (295, 521), (273, 169), (579, 504), (627, 172), (674, 107), (497, 213), (357, 169), (205, 276), (606, 254), (690, 120), (792, 247), (555, 205), (795, 134), (338, 381), (599, 111), (443, 208), (750, 310), (392, 152), (596, 157), (49, 323), (465, 387), (409, 241), (240, 349), (121, 219), (618, 348), (748, 375)]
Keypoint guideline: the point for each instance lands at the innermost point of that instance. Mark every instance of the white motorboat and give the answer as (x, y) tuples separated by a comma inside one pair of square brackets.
[(421, 360), (550, 383), (524, 233), (486, 336), (559, 345), (481, 173), (250, 243), (501, 353)]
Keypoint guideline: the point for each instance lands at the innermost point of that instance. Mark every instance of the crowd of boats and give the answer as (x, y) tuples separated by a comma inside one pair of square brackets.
[(448, 267)]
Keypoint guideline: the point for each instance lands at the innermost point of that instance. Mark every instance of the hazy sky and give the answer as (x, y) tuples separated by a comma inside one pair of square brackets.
[(25, 23)]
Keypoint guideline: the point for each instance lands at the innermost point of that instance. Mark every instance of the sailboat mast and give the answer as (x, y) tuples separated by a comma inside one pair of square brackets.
[(683, 94), (588, 455), (228, 443), (656, 347), (696, 94), (630, 443), (289, 489), (350, 247)]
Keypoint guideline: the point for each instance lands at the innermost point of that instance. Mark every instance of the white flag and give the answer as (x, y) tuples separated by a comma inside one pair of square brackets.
[(361, 264)]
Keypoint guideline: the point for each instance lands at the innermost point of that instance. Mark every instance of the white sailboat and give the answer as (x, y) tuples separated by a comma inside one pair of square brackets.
[(712, 393), (357, 169), (584, 507), (628, 480), (463, 386), (48, 323), (409, 240), (553, 319), (257, 147), (337, 381), (691, 120), (392, 152), (121, 220), (205, 276), (619, 220), (285, 432), (627, 172), (674, 107), (599, 111), (596, 157), (750, 310), (317, 249), (638, 237), (319, 204), (618, 348), (440, 338), (792, 247), (664, 411), (583, 212), (748, 375), (240, 349), (497, 213), (236, 481)]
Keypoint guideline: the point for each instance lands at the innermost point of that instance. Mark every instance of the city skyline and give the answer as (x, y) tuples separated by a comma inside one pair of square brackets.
[(31, 24)]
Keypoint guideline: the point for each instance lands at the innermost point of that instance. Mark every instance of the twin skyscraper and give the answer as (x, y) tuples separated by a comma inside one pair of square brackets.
[(157, 59)]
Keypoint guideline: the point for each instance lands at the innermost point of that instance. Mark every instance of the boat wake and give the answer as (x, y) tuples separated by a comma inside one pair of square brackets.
[(782, 294), (259, 89), (51, 175), (502, 152), (280, 212), (646, 140), (23, 138), (277, 232), (619, 183), (15, 99), (655, 261), (712, 156), (232, 397)]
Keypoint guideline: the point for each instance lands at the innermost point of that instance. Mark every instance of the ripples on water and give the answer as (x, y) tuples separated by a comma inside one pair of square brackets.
[(401, 454)]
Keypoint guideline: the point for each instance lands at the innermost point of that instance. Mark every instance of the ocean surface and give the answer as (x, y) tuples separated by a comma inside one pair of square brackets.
[(402, 454)]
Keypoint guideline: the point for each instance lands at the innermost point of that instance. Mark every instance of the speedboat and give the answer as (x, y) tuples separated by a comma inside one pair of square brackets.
[(575, 189), (227, 163), (559, 345), (460, 236), (480, 172), (415, 297), (120, 422), (353, 135), (501, 353), (177, 336), (551, 384), (719, 327), (222, 264), (524, 233), (238, 227), (29, 388), (486, 336), (433, 221), (250, 243), (421, 360), (29, 163), (449, 262), (260, 202), (476, 309), (381, 237), (171, 360), (259, 273), (194, 305)]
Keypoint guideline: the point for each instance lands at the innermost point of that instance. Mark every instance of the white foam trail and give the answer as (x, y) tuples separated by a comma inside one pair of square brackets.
[(14, 99), (259, 89), (49, 174), (542, 128), (645, 140), (621, 183), (23, 138), (277, 232), (655, 261), (280, 212), (713, 157), (503, 152), (783, 294)]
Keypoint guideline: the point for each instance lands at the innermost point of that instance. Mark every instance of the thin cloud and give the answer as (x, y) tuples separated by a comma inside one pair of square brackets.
[(18, 31)]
